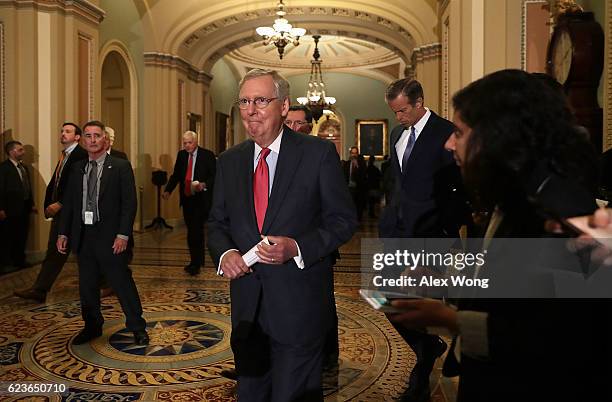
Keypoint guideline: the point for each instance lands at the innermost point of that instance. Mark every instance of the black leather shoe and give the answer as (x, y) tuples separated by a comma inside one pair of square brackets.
[(31, 294), (141, 338), (230, 374), (86, 335), (192, 270)]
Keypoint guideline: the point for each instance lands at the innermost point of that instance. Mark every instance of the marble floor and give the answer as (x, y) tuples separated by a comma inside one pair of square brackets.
[(189, 326)]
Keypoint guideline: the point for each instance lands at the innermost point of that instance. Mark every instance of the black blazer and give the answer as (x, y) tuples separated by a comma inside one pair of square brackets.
[(310, 203), (116, 202), (77, 154), (118, 154), (12, 190), (205, 169), (430, 193)]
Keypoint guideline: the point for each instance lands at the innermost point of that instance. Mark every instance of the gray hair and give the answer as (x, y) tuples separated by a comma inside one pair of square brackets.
[(281, 85), (192, 134)]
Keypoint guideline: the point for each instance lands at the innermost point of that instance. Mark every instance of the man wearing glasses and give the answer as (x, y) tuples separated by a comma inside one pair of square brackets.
[(289, 188), (299, 119)]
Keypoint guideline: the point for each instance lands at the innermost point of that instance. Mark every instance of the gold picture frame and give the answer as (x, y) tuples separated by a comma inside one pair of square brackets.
[(371, 137)]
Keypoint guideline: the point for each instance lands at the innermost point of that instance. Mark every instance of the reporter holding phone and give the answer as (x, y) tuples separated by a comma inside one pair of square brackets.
[(515, 143)]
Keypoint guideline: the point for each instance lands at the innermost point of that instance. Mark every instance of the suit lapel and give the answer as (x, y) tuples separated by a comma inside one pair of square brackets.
[(106, 170), (288, 160), (423, 141), (247, 186)]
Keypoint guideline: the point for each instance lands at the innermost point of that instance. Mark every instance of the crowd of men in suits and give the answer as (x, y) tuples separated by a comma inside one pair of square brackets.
[(278, 207)]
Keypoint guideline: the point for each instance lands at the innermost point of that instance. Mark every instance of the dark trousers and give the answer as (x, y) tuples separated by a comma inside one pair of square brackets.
[(14, 231), (96, 258), (53, 263), (269, 371), (424, 346), (195, 214)]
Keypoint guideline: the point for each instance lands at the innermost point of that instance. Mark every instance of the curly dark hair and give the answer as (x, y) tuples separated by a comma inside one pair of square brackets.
[(521, 127)]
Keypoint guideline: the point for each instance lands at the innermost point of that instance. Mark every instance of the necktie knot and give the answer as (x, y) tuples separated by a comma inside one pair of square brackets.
[(264, 153)]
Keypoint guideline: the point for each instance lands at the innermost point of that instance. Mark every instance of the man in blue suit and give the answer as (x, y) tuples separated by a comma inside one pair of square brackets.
[(427, 200), (289, 187)]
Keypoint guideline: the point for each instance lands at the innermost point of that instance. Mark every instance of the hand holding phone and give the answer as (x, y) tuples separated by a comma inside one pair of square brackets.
[(382, 301)]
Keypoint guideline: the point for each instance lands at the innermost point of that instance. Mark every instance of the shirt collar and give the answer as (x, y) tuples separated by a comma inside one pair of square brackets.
[(420, 125), (16, 163), (101, 159), (71, 148), (274, 147)]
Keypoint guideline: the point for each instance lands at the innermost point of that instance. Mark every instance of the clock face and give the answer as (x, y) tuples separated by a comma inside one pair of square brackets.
[(562, 53)]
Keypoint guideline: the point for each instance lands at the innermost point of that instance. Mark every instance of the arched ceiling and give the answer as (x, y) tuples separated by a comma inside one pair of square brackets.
[(362, 34)]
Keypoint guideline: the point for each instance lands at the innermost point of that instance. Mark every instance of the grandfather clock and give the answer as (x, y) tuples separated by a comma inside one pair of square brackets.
[(575, 59)]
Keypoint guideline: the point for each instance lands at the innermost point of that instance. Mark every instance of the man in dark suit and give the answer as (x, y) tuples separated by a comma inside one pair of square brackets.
[(97, 219), (194, 171), (427, 200), (54, 261), (355, 174), (288, 187), (110, 133), (15, 206)]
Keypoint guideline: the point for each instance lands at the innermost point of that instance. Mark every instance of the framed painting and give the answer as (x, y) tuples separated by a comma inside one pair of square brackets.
[(371, 137)]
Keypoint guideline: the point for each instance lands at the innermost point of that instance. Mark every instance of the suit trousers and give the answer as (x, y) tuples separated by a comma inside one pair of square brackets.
[(97, 258), (195, 214), (269, 371), (14, 232), (54, 260)]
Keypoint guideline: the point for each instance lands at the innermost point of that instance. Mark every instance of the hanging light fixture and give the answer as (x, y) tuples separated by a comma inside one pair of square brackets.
[(282, 32), (316, 99)]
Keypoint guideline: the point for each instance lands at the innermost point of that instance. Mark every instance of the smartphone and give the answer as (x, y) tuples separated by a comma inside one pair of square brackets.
[(382, 301)]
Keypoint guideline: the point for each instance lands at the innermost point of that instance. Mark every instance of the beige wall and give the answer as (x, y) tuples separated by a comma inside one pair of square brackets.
[(40, 86)]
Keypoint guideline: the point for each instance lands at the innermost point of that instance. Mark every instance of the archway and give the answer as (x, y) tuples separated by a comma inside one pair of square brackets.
[(116, 99)]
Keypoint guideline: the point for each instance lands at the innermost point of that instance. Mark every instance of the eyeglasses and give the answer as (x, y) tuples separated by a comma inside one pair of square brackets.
[(298, 122), (260, 102)]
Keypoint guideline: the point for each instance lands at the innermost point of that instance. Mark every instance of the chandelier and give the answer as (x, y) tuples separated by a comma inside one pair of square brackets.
[(316, 98), (282, 32)]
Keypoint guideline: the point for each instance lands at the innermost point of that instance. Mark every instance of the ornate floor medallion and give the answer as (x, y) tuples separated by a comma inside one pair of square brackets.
[(189, 330)]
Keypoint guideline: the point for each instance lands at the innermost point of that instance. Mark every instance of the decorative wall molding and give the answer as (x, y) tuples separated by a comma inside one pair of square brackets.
[(91, 76), (426, 52), (155, 59), (2, 82), (607, 101), (445, 68), (80, 8), (442, 5), (524, 29)]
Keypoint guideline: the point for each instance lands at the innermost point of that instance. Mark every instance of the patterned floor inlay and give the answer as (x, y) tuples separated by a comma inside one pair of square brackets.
[(188, 322)]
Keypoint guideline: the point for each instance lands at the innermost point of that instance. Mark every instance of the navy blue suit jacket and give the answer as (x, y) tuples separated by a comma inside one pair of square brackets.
[(310, 203)]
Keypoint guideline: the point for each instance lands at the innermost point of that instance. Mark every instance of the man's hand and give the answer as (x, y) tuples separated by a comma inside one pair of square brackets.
[(62, 244), (53, 209), (233, 266), (119, 245), (421, 313), (200, 187), (280, 251), (2, 215), (165, 195)]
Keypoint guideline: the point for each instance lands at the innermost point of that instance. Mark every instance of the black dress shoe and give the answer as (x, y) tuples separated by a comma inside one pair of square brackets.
[(86, 335), (230, 374), (31, 294), (141, 338), (192, 269)]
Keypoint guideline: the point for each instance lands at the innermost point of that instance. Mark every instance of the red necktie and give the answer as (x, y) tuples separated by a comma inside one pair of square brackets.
[(189, 175), (261, 182)]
